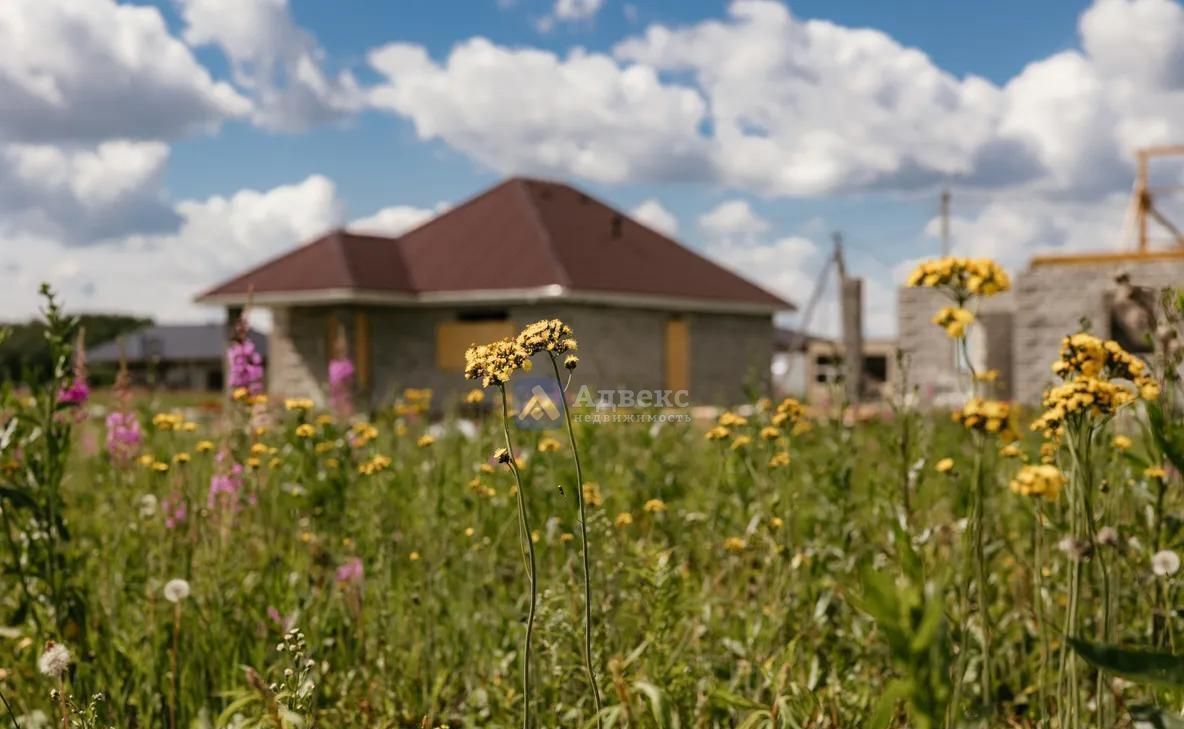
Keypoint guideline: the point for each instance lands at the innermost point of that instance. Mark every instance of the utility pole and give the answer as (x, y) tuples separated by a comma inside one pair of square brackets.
[(851, 316), (945, 222)]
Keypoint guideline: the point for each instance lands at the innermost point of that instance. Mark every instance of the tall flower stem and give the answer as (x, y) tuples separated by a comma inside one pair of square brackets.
[(575, 454), (1038, 611), (532, 571), (978, 519)]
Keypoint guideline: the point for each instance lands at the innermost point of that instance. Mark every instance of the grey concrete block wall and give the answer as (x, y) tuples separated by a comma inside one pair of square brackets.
[(1051, 300), (619, 348)]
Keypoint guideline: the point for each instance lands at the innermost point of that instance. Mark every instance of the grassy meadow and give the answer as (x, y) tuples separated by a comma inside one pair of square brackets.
[(270, 563)]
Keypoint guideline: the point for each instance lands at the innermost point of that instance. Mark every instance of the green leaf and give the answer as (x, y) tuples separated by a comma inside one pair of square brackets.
[(659, 706), (727, 699), (885, 711), (1146, 667)]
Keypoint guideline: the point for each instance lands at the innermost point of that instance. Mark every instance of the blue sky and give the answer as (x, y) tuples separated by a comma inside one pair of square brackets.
[(750, 129)]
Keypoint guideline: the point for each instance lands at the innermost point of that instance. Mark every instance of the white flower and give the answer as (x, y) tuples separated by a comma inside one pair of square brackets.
[(54, 660), (148, 505), (176, 590), (1165, 563), (1108, 535)]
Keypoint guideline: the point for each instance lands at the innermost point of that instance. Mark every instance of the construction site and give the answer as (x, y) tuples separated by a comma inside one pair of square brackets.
[(1114, 291)]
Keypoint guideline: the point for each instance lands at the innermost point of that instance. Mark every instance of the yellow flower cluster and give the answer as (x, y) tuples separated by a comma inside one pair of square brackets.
[(788, 410), (954, 319), (476, 396), (363, 433), (719, 432), (1039, 480), (415, 401), (495, 362), (374, 465), (298, 404), (548, 445), (1087, 356), (655, 506), (986, 416), (1083, 396), (780, 459), (730, 419), (168, 421), (961, 277), (547, 335), (305, 430), (735, 545), (425, 441)]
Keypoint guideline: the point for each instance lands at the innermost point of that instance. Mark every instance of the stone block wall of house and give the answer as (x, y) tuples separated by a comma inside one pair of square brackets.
[(619, 348), (931, 357), (1052, 298)]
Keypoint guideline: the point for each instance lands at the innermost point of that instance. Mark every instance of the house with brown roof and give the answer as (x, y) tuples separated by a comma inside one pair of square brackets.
[(648, 312)]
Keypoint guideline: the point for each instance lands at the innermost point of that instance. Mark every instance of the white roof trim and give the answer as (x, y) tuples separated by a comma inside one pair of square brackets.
[(553, 292)]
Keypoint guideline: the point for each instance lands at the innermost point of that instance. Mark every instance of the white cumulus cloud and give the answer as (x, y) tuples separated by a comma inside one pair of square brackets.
[(652, 213)]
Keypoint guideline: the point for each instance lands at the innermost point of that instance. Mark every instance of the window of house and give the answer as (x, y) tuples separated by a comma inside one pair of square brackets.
[(470, 327), (875, 367)]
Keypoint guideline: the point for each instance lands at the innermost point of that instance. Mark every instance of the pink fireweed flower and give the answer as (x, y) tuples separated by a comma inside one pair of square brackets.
[(123, 436), (351, 572), (341, 378), (225, 488), (77, 392), (245, 363), (175, 511)]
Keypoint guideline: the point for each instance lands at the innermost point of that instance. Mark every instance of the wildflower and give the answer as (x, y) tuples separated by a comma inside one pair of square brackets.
[(258, 449), (245, 364), (730, 419), (341, 377), (987, 376), (205, 446), (566, 537), (770, 433), (779, 459), (376, 464), (148, 505), (77, 392), (475, 396), (592, 496), (954, 319), (175, 511), (1039, 480), (1121, 442), (655, 506), (414, 556), (1074, 549), (176, 590), (961, 278), (735, 545), (1048, 452), (624, 519), (305, 430), (776, 522), (1081, 397), (985, 416), (123, 436), (548, 335), (146, 460), (167, 421), (469, 531), (350, 572), (790, 411), (54, 660), (225, 487), (1011, 450), (945, 465), (1108, 535), (494, 363), (298, 404), (1165, 563), (1155, 473), (570, 362), (741, 441), (719, 432), (181, 458), (425, 441), (160, 466), (548, 445), (501, 455)]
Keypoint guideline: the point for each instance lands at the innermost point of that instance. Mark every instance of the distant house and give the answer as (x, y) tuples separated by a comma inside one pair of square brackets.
[(175, 356), (648, 312), (810, 367)]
